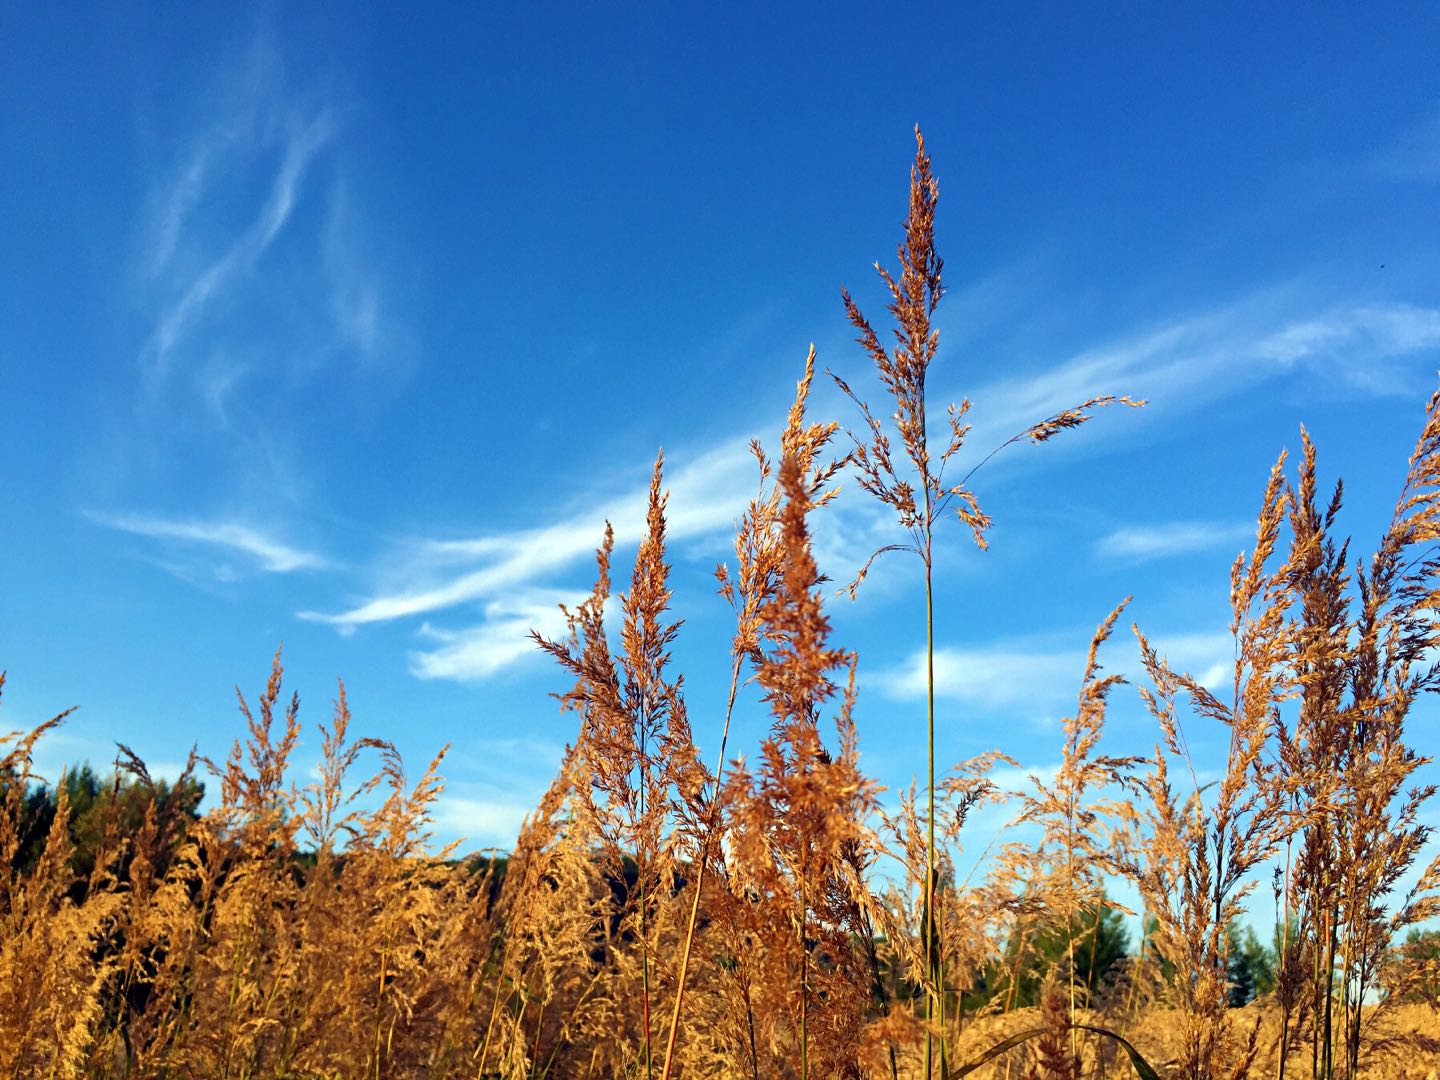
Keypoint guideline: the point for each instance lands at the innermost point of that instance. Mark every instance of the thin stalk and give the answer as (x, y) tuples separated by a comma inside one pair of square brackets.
[(1089, 974), (1315, 1026), (1012, 991), (1352, 1047), (750, 1022), (700, 874), (490, 1026), (1070, 915), (804, 975), (1094, 951), (561, 1039), (380, 1003), (935, 1002), (640, 880), (1345, 1001), (1284, 966), (645, 981), (539, 1026), (877, 987), (1329, 1059), (494, 1014)]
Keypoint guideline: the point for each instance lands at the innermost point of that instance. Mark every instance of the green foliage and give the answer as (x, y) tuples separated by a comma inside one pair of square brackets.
[(1415, 970), (118, 804), (1251, 963), (1099, 941), (1152, 951)]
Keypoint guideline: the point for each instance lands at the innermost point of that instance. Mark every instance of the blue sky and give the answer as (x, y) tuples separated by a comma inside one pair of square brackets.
[(348, 328)]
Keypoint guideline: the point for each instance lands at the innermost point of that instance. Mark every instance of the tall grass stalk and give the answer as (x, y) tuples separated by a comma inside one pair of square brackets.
[(752, 586), (903, 371)]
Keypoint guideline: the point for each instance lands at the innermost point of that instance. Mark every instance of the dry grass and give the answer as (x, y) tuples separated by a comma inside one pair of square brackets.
[(769, 917)]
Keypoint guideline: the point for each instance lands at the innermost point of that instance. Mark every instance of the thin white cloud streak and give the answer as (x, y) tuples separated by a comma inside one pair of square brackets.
[(491, 822), (706, 496), (514, 773), (1415, 155), (266, 552), (356, 305), (183, 194), (1143, 542), (1380, 329), (501, 641), (1208, 657), (303, 140), (990, 676), (1193, 363), (259, 193), (1016, 674), (1183, 366)]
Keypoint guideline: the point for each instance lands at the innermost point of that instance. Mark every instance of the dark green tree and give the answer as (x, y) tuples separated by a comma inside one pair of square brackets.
[(99, 807), (1099, 941), (1252, 965)]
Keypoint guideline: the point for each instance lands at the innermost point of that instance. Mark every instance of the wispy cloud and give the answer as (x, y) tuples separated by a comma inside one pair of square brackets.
[(498, 575), (1350, 341), (483, 822), (1208, 657), (517, 580), (1142, 542), (501, 641), (706, 496), (508, 776), (258, 272), (1415, 155), (990, 676), (260, 192), (1192, 363), (1024, 674), (302, 139), (359, 295), (259, 550), (176, 197)]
